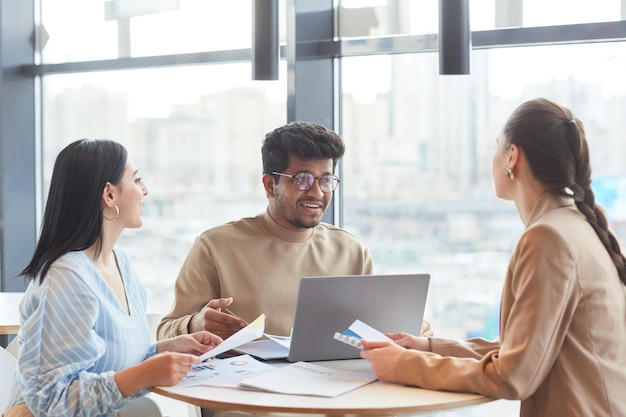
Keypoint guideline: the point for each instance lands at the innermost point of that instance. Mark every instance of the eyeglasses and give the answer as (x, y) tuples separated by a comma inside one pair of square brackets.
[(304, 181)]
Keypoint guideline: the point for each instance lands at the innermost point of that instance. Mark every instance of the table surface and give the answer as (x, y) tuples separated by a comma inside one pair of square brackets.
[(376, 399), (9, 312)]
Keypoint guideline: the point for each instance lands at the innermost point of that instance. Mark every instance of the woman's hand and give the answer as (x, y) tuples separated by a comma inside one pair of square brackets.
[(174, 359), (195, 343), (383, 357), (409, 341), (168, 368), (163, 369)]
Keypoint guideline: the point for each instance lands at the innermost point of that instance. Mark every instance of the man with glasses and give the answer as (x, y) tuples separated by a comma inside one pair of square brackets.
[(238, 270)]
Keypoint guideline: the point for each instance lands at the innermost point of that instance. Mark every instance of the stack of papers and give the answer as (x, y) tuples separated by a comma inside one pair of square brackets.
[(300, 378)]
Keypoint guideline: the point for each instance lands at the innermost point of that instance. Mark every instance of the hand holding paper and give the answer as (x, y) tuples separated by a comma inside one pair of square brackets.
[(360, 331), (251, 332)]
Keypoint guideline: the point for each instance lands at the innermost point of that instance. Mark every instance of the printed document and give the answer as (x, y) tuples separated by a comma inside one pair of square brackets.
[(303, 378), (224, 372)]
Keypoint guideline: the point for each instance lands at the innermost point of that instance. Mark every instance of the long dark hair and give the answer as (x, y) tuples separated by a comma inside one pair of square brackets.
[(554, 143), (73, 217)]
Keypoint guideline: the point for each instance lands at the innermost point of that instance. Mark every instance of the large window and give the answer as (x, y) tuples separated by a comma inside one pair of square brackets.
[(195, 134), (365, 18), (418, 181), (116, 28)]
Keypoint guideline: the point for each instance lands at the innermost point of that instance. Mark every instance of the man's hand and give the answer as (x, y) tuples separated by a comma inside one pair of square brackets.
[(212, 319)]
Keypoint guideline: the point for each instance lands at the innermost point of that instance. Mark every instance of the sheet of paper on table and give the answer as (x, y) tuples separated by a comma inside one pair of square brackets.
[(303, 378), (224, 372)]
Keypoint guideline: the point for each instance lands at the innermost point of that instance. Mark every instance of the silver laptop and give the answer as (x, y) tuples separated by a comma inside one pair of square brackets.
[(325, 305)]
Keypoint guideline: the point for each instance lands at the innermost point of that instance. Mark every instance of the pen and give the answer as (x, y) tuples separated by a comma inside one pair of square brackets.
[(234, 315)]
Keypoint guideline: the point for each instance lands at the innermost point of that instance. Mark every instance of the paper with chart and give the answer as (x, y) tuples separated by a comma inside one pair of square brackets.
[(249, 333), (304, 378), (224, 372), (360, 331)]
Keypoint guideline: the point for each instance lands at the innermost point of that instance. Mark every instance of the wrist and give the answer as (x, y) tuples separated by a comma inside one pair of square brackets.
[(191, 325), (128, 381), (164, 345)]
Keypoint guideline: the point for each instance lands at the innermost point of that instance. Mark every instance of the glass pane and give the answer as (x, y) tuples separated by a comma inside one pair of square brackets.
[(83, 30), (195, 134), (564, 12), (359, 18), (417, 173)]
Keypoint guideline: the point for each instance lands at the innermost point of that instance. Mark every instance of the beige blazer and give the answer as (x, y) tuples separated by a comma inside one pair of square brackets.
[(562, 345)]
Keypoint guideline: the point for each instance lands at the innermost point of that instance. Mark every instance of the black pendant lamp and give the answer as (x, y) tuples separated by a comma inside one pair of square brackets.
[(265, 45), (454, 37)]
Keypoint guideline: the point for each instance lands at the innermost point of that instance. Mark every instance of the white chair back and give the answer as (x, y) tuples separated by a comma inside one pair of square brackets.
[(8, 363), (141, 407), (12, 347), (153, 321)]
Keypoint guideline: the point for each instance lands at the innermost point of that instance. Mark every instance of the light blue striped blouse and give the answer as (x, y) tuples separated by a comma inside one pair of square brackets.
[(75, 335)]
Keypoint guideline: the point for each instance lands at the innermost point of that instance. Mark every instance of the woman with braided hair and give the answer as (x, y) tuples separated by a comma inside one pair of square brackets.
[(562, 344)]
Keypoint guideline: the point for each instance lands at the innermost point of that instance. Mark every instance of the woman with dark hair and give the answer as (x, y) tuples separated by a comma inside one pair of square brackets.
[(84, 343), (562, 344)]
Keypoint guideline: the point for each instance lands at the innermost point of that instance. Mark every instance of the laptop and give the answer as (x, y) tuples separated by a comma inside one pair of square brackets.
[(325, 305)]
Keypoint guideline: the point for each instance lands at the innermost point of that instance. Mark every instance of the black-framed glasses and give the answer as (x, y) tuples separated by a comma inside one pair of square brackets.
[(304, 181)]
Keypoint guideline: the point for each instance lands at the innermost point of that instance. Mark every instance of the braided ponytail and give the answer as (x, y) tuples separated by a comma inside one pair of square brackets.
[(585, 198), (597, 219)]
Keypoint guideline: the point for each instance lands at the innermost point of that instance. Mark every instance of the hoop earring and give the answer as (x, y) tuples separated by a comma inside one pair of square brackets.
[(117, 213), (509, 174)]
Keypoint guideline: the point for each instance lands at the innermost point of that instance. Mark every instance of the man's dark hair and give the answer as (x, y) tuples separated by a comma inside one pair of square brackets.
[(303, 140)]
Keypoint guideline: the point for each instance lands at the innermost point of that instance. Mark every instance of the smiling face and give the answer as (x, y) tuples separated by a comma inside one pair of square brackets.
[(295, 209), (131, 191)]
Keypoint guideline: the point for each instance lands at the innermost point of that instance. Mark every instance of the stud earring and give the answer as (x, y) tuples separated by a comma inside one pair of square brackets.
[(509, 173)]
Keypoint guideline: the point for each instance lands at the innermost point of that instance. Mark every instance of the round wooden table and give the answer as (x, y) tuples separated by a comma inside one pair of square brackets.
[(376, 399)]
